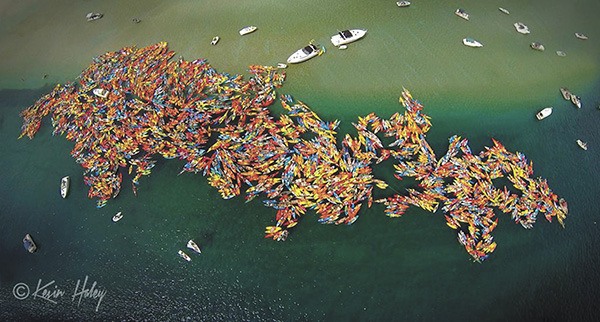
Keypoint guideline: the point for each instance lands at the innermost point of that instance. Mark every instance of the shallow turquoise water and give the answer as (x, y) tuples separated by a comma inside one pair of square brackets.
[(411, 268)]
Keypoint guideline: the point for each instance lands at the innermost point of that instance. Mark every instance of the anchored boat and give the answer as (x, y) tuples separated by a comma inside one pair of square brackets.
[(403, 3), (64, 186), (544, 113), (215, 40), (576, 100), (461, 13), (304, 54), (184, 256), (117, 217), (193, 246), (246, 30), (582, 144), (537, 46), (347, 36), (521, 28), (29, 244), (566, 94), (470, 42)]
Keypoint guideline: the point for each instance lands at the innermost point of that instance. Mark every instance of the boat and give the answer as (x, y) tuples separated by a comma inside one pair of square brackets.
[(581, 36), (215, 40), (582, 144), (304, 54), (29, 244), (184, 256), (521, 28), (537, 46), (576, 100), (100, 92), (136, 20), (246, 30), (403, 3), (193, 246), (566, 94), (64, 186), (461, 13), (117, 216), (281, 65), (343, 47), (561, 53), (347, 36), (91, 16), (471, 42), (544, 113), (504, 10)]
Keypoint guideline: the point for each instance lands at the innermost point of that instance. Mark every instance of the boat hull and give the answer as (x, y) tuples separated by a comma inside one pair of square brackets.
[(300, 56), (347, 36), (470, 42), (65, 182), (544, 113), (247, 30), (29, 244)]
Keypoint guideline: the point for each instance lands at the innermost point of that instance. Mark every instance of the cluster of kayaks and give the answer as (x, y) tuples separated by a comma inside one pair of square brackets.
[(294, 160)]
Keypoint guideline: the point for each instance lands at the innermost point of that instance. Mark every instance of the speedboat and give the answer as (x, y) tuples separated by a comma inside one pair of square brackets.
[(521, 28), (246, 30), (576, 100), (581, 36), (193, 246), (100, 92), (561, 53), (117, 216), (281, 65), (304, 54), (91, 16), (461, 13), (29, 244), (582, 144), (184, 256), (504, 10), (544, 113), (566, 94), (471, 42), (64, 186), (347, 36), (215, 40), (403, 3), (342, 47), (537, 46)]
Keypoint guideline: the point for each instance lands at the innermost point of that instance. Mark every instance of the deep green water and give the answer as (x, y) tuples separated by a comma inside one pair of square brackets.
[(380, 269)]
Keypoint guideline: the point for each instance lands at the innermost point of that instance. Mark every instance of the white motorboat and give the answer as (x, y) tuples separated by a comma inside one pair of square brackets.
[(304, 54), (576, 100), (91, 16), (193, 246), (471, 42), (184, 256), (461, 13), (248, 29), (215, 40), (544, 113), (347, 36), (521, 28), (582, 144), (537, 46), (342, 47), (561, 53), (581, 36), (403, 3), (281, 65), (117, 216), (100, 92), (29, 244), (504, 10), (64, 186)]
